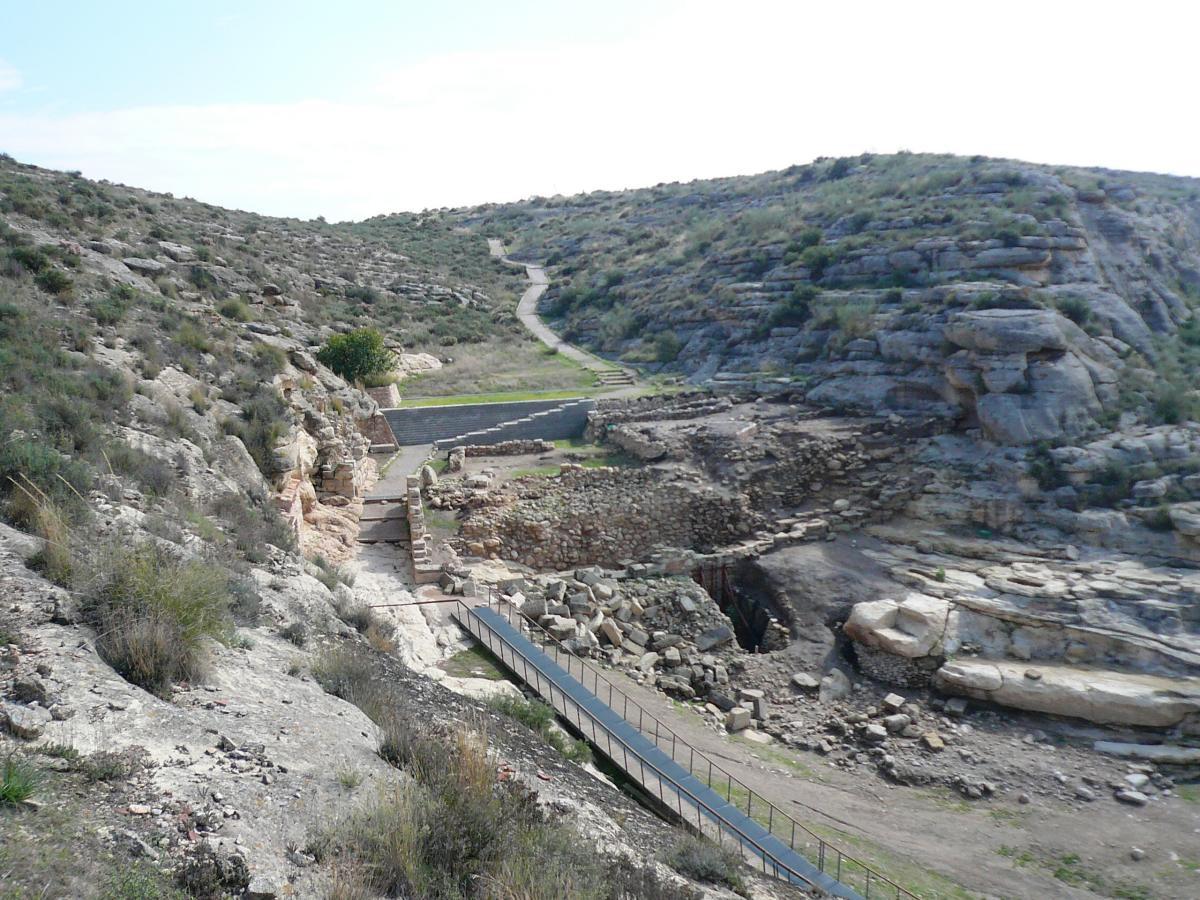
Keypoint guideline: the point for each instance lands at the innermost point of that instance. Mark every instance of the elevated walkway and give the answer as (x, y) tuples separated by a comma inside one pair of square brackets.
[(699, 792)]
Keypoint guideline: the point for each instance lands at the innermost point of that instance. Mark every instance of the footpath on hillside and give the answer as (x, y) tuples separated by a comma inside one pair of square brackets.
[(606, 373)]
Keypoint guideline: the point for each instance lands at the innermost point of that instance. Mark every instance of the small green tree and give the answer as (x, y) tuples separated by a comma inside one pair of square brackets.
[(357, 355), (667, 346)]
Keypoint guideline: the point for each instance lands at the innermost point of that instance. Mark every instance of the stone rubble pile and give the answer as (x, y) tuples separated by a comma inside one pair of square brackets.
[(666, 631)]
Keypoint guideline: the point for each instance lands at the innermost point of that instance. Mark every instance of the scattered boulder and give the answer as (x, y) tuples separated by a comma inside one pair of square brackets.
[(805, 682), (143, 266), (737, 719), (834, 686), (25, 722), (910, 628)]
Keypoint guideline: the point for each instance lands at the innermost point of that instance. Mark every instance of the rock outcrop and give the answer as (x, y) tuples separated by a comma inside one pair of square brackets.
[(1097, 695)]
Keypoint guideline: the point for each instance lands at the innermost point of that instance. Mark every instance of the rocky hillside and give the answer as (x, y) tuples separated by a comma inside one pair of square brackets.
[(1025, 300), (196, 700)]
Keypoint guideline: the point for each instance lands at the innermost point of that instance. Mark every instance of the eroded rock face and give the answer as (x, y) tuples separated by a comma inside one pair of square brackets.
[(1096, 695), (1033, 374)]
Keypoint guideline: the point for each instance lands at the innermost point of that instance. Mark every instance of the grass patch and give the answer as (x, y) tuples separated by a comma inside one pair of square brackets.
[(502, 366), (912, 876), (107, 765), (139, 881), (441, 519), (330, 575), (455, 832), (769, 753), (499, 397), (474, 662), (539, 718), (59, 750), (1189, 793), (1071, 869), (350, 673), (153, 614), (538, 472)]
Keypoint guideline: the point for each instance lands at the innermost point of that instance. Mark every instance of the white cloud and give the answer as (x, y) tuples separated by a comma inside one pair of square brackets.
[(708, 91), (10, 78)]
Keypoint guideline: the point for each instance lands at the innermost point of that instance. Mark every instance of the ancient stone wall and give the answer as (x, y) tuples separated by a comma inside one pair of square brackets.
[(509, 448), (377, 431), (691, 405), (603, 516), (387, 396)]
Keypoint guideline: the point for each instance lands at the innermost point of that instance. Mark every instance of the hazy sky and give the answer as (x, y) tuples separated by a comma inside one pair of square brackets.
[(352, 108)]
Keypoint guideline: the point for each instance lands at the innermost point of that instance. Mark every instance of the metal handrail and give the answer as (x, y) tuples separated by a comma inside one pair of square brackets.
[(828, 855), (699, 805)]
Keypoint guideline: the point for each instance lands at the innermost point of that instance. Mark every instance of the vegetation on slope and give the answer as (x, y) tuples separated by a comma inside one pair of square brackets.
[(680, 274)]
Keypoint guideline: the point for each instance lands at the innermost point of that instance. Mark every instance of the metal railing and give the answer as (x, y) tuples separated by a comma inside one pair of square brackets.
[(827, 858)]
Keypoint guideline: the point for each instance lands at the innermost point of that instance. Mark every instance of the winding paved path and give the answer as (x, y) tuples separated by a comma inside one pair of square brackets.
[(527, 312)]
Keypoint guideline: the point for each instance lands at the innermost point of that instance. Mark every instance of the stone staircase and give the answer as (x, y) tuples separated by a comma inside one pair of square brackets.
[(566, 420), (613, 377)]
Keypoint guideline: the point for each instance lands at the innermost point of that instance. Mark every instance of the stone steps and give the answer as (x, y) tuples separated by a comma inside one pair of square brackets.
[(608, 377)]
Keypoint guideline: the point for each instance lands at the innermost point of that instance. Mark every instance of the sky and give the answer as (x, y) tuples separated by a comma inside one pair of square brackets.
[(356, 108)]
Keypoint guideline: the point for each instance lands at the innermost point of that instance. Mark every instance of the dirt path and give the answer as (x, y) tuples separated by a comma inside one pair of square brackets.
[(934, 841)]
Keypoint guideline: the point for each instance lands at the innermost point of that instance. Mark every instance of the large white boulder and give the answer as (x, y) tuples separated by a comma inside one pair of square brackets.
[(912, 627), (1097, 695)]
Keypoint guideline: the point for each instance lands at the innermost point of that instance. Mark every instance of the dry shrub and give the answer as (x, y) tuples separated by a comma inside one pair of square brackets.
[(457, 832), (350, 674), (380, 637), (55, 559), (153, 613)]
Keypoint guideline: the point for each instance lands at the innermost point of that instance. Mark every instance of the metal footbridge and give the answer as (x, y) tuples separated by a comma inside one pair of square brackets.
[(704, 796)]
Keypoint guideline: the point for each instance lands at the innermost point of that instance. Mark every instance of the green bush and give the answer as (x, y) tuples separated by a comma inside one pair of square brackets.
[(253, 527), (203, 279), (153, 613), (55, 475), (235, 308), (54, 281), (30, 258), (667, 346), (1175, 403), (795, 310), (357, 355), (139, 881), (262, 424), (110, 309), (817, 259), (1076, 309), (362, 293)]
